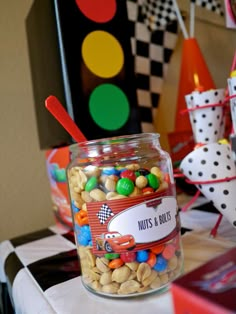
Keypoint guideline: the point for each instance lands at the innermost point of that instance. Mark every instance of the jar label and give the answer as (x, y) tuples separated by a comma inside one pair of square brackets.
[(134, 223)]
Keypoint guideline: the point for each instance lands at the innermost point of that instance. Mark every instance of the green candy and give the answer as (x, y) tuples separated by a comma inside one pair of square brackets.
[(125, 186), (60, 175), (91, 184), (111, 255), (153, 181)]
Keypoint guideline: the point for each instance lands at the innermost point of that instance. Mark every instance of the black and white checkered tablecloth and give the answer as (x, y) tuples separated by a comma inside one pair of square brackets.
[(42, 273)]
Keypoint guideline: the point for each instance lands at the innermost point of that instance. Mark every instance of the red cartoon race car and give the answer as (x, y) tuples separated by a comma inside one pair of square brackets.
[(115, 242)]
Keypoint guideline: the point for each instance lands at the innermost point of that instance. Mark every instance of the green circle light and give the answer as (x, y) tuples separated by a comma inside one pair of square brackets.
[(109, 107)]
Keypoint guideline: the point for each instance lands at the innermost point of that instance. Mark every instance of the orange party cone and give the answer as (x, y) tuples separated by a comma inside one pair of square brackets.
[(194, 75)]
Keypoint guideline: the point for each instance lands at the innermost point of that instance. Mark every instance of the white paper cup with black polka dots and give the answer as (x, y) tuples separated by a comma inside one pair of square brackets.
[(214, 162), (207, 123), (190, 104), (232, 92)]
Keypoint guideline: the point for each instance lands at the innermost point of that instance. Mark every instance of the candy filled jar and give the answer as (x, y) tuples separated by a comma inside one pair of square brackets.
[(125, 215)]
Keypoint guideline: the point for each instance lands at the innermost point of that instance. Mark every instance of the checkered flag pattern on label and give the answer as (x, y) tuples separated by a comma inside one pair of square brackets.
[(211, 5), (104, 213), (158, 14)]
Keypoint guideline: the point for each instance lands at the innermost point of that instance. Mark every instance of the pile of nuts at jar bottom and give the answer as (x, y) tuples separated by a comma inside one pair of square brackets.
[(131, 277)]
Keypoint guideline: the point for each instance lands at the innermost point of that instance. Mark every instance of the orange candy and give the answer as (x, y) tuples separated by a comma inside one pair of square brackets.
[(115, 263), (167, 177), (81, 218), (158, 249), (151, 259)]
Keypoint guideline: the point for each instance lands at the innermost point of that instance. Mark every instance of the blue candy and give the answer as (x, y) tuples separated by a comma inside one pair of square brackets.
[(84, 235), (85, 231), (142, 256), (110, 171), (82, 240), (161, 264), (74, 208)]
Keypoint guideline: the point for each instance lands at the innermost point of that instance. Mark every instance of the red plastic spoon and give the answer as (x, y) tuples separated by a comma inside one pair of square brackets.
[(54, 106)]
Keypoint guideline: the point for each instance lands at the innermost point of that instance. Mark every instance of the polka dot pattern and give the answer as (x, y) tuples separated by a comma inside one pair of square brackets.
[(212, 162), (207, 123)]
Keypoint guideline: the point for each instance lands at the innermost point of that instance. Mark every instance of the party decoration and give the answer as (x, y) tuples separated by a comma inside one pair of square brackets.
[(206, 112), (212, 169), (87, 62), (232, 94), (152, 50)]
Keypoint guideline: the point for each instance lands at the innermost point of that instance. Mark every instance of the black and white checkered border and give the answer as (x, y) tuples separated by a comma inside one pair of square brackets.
[(152, 52), (158, 13), (211, 5)]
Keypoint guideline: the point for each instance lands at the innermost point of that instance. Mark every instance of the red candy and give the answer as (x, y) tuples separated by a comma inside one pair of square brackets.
[(147, 190), (128, 257), (169, 251), (128, 174)]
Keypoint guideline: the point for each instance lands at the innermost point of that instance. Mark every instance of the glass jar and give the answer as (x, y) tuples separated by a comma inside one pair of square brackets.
[(125, 215)]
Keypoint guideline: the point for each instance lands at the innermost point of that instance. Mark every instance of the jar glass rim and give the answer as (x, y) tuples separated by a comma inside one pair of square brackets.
[(121, 139)]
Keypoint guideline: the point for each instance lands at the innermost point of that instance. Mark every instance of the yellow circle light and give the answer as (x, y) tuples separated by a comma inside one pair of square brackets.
[(102, 54)]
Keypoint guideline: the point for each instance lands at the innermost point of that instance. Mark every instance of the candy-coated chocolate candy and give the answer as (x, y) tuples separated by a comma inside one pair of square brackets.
[(81, 218), (151, 259), (111, 255), (142, 256), (143, 172), (60, 175), (161, 264), (110, 170), (128, 257), (85, 232), (91, 184), (147, 190), (153, 181), (169, 251), (115, 263), (74, 208), (128, 174), (84, 236), (137, 174), (167, 177), (82, 240), (125, 186), (158, 248)]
